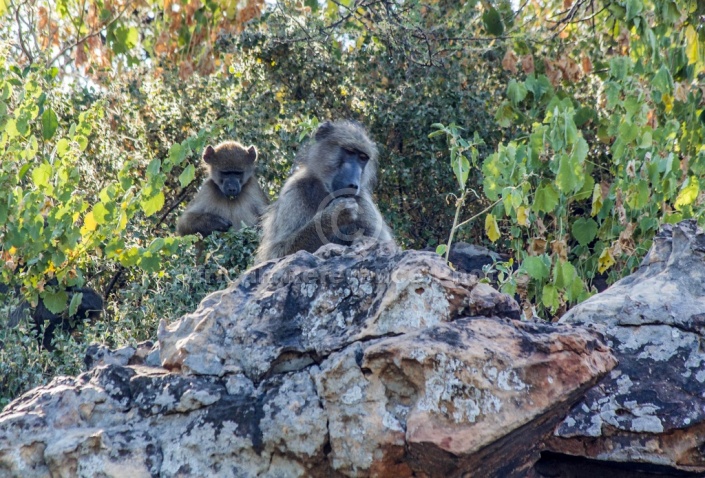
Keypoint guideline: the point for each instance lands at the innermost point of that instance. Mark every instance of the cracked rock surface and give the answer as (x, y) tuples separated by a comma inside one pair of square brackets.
[(361, 361), (651, 408)]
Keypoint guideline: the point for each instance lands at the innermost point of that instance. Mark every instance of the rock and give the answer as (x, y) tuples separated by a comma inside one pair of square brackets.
[(651, 408), (361, 361), (470, 258), (144, 353), (304, 310)]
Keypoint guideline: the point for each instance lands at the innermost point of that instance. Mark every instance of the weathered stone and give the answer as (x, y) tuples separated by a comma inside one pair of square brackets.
[(361, 361), (309, 305), (651, 408), (451, 390)]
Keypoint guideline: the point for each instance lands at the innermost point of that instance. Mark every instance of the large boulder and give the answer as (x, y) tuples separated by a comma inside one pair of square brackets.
[(650, 410), (361, 361)]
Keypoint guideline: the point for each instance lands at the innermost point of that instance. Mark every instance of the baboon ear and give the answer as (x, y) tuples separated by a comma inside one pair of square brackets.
[(252, 153), (209, 154), (324, 130)]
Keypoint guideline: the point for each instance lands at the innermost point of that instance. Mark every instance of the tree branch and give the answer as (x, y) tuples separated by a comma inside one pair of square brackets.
[(90, 35)]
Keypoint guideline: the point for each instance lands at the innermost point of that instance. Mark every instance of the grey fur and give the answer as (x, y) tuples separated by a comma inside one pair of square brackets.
[(307, 213)]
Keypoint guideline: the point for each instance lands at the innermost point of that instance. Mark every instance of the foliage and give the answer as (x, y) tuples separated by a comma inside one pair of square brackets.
[(613, 113), (460, 164)]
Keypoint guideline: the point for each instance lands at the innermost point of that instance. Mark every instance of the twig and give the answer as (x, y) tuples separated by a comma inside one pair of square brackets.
[(176, 202), (23, 47), (480, 213), (113, 281), (90, 35)]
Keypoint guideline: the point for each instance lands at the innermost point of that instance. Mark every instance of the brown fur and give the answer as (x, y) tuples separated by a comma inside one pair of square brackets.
[(211, 209), (304, 217)]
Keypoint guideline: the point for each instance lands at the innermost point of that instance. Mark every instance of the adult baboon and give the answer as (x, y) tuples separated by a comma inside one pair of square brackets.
[(328, 198), (230, 195)]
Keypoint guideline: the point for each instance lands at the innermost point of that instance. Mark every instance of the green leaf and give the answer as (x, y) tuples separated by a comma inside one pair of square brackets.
[(154, 167), (570, 175), (75, 300), (461, 169), (41, 175), (441, 249), (177, 153), (575, 289), (563, 274), (493, 22), (538, 86), (100, 213), (535, 267), (620, 66), (634, 8), (187, 175), (153, 204), (516, 91), (150, 262), (82, 142), (49, 122), (646, 140), (62, 147), (584, 230), (549, 297), (583, 115), (505, 115), (55, 301), (123, 39), (546, 199)]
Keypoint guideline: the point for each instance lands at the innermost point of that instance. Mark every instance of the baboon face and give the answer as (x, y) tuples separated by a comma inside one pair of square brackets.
[(351, 165), (231, 166), (347, 156), (230, 182)]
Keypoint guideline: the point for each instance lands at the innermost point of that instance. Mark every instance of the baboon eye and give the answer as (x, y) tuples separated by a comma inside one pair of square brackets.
[(364, 157)]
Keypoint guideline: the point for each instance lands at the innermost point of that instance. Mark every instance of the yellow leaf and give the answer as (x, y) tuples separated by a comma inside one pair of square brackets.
[(691, 49), (605, 261), (12, 250), (596, 200), (89, 224), (491, 228), (688, 194), (522, 216), (3, 6), (122, 222), (667, 102)]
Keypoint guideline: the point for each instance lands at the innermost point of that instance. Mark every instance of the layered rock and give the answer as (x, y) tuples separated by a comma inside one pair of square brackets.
[(362, 361), (650, 410)]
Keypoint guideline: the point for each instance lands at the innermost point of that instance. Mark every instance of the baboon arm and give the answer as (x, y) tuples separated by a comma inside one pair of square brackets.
[(310, 237), (205, 223), (291, 225), (372, 222)]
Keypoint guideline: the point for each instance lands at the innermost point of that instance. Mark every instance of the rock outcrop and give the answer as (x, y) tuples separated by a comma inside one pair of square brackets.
[(650, 410), (362, 361)]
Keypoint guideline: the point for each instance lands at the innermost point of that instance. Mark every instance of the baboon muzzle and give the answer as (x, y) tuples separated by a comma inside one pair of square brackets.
[(231, 188), (347, 181)]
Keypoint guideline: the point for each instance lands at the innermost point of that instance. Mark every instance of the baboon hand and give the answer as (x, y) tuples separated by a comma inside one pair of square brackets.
[(343, 211), (221, 224)]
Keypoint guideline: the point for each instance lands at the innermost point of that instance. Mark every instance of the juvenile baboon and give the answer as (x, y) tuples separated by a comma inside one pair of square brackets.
[(230, 196), (328, 198)]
